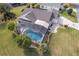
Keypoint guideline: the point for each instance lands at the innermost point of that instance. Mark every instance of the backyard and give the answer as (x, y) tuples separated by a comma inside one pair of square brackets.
[(7, 45), (64, 42)]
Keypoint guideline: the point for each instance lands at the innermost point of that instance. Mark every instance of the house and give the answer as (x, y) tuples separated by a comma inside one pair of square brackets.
[(34, 23)]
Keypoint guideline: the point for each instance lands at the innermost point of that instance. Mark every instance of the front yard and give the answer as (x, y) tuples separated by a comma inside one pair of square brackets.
[(73, 18), (64, 42)]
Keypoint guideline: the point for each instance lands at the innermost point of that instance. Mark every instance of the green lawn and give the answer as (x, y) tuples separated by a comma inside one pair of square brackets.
[(7, 45), (72, 18), (17, 10), (64, 42)]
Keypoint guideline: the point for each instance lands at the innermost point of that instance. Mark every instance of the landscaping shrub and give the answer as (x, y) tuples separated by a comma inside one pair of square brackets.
[(11, 26), (69, 11), (28, 5), (14, 34), (23, 41), (65, 6), (38, 6), (19, 40)]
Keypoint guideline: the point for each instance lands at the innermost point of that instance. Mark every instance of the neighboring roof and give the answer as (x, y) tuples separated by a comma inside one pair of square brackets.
[(37, 14), (53, 5)]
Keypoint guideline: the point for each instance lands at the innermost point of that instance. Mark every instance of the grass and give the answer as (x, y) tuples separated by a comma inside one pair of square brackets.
[(17, 10), (64, 42), (7, 45), (73, 18)]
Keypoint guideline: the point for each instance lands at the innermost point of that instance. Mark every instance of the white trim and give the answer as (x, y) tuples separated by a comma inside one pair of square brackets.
[(42, 23), (24, 16)]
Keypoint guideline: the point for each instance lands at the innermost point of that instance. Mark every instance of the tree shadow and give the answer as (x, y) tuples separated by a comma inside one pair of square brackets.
[(30, 52)]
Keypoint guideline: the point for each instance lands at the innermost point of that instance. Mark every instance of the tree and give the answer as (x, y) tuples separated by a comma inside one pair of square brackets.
[(11, 26), (9, 15), (65, 6), (32, 5), (69, 11), (23, 41), (26, 41), (4, 8), (38, 6), (28, 5), (5, 11)]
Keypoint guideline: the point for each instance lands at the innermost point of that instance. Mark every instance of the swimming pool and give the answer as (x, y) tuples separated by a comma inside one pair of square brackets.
[(34, 35)]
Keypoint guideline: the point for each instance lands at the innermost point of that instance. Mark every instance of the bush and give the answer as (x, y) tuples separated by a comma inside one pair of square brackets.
[(33, 4), (38, 6), (28, 5), (69, 11), (23, 41), (14, 34), (19, 40), (65, 6), (11, 26)]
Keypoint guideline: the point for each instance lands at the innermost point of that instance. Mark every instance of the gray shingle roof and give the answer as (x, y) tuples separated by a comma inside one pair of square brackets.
[(38, 14), (33, 16)]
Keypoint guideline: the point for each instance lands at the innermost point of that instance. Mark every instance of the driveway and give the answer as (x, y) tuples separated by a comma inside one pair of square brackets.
[(65, 21)]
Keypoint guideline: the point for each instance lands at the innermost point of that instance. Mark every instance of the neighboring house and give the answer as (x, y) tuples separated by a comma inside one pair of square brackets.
[(50, 5), (34, 23)]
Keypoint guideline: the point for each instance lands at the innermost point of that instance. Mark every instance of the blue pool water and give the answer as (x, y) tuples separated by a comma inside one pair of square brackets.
[(33, 35)]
